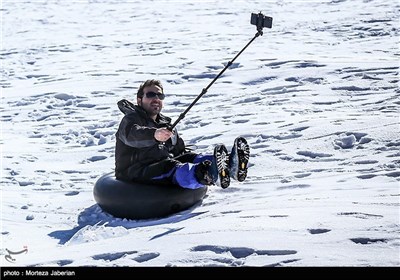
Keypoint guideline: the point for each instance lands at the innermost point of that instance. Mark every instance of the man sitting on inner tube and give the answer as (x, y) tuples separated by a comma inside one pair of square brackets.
[(147, 151)]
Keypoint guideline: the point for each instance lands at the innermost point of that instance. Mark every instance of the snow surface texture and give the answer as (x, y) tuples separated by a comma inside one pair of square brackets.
[(317, 98)]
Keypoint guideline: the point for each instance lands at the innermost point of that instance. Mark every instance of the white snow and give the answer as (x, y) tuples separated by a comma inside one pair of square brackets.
[(317, 98)]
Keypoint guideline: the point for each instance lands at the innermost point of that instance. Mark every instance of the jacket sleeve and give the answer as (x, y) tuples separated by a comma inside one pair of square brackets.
[(135, 135), (179, 147)]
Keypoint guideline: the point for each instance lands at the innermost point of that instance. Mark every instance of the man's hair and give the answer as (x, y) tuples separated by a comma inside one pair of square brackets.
[(149, 83)]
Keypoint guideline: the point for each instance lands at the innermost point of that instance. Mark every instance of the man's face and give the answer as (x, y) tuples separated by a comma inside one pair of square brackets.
[(152, 105)]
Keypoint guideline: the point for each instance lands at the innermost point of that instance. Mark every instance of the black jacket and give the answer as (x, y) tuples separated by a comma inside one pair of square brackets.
[(136, 146)]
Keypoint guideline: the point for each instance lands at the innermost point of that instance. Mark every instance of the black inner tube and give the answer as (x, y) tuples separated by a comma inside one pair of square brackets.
[(133, 200)]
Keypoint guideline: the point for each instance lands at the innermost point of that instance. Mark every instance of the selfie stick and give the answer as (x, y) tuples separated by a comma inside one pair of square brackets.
[(257, 19)]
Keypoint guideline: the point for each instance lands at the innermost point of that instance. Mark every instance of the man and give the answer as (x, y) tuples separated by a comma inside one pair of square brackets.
[(147, 151)]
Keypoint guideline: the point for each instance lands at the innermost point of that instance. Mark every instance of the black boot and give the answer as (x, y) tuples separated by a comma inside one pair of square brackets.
[(221, 165), (239, 159)]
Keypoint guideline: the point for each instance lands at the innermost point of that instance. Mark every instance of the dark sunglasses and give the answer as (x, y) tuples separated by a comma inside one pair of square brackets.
[(152, 94)]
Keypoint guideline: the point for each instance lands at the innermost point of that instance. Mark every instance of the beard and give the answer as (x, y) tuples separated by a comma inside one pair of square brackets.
[(153, 108)]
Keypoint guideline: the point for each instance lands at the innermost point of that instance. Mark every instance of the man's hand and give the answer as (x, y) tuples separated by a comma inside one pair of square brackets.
[(163, 134)]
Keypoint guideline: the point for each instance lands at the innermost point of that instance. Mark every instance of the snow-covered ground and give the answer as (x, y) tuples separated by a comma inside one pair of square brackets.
[(317, 97)]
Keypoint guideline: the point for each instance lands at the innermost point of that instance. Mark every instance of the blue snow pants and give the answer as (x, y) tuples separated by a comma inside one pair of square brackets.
[(179, 170)]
